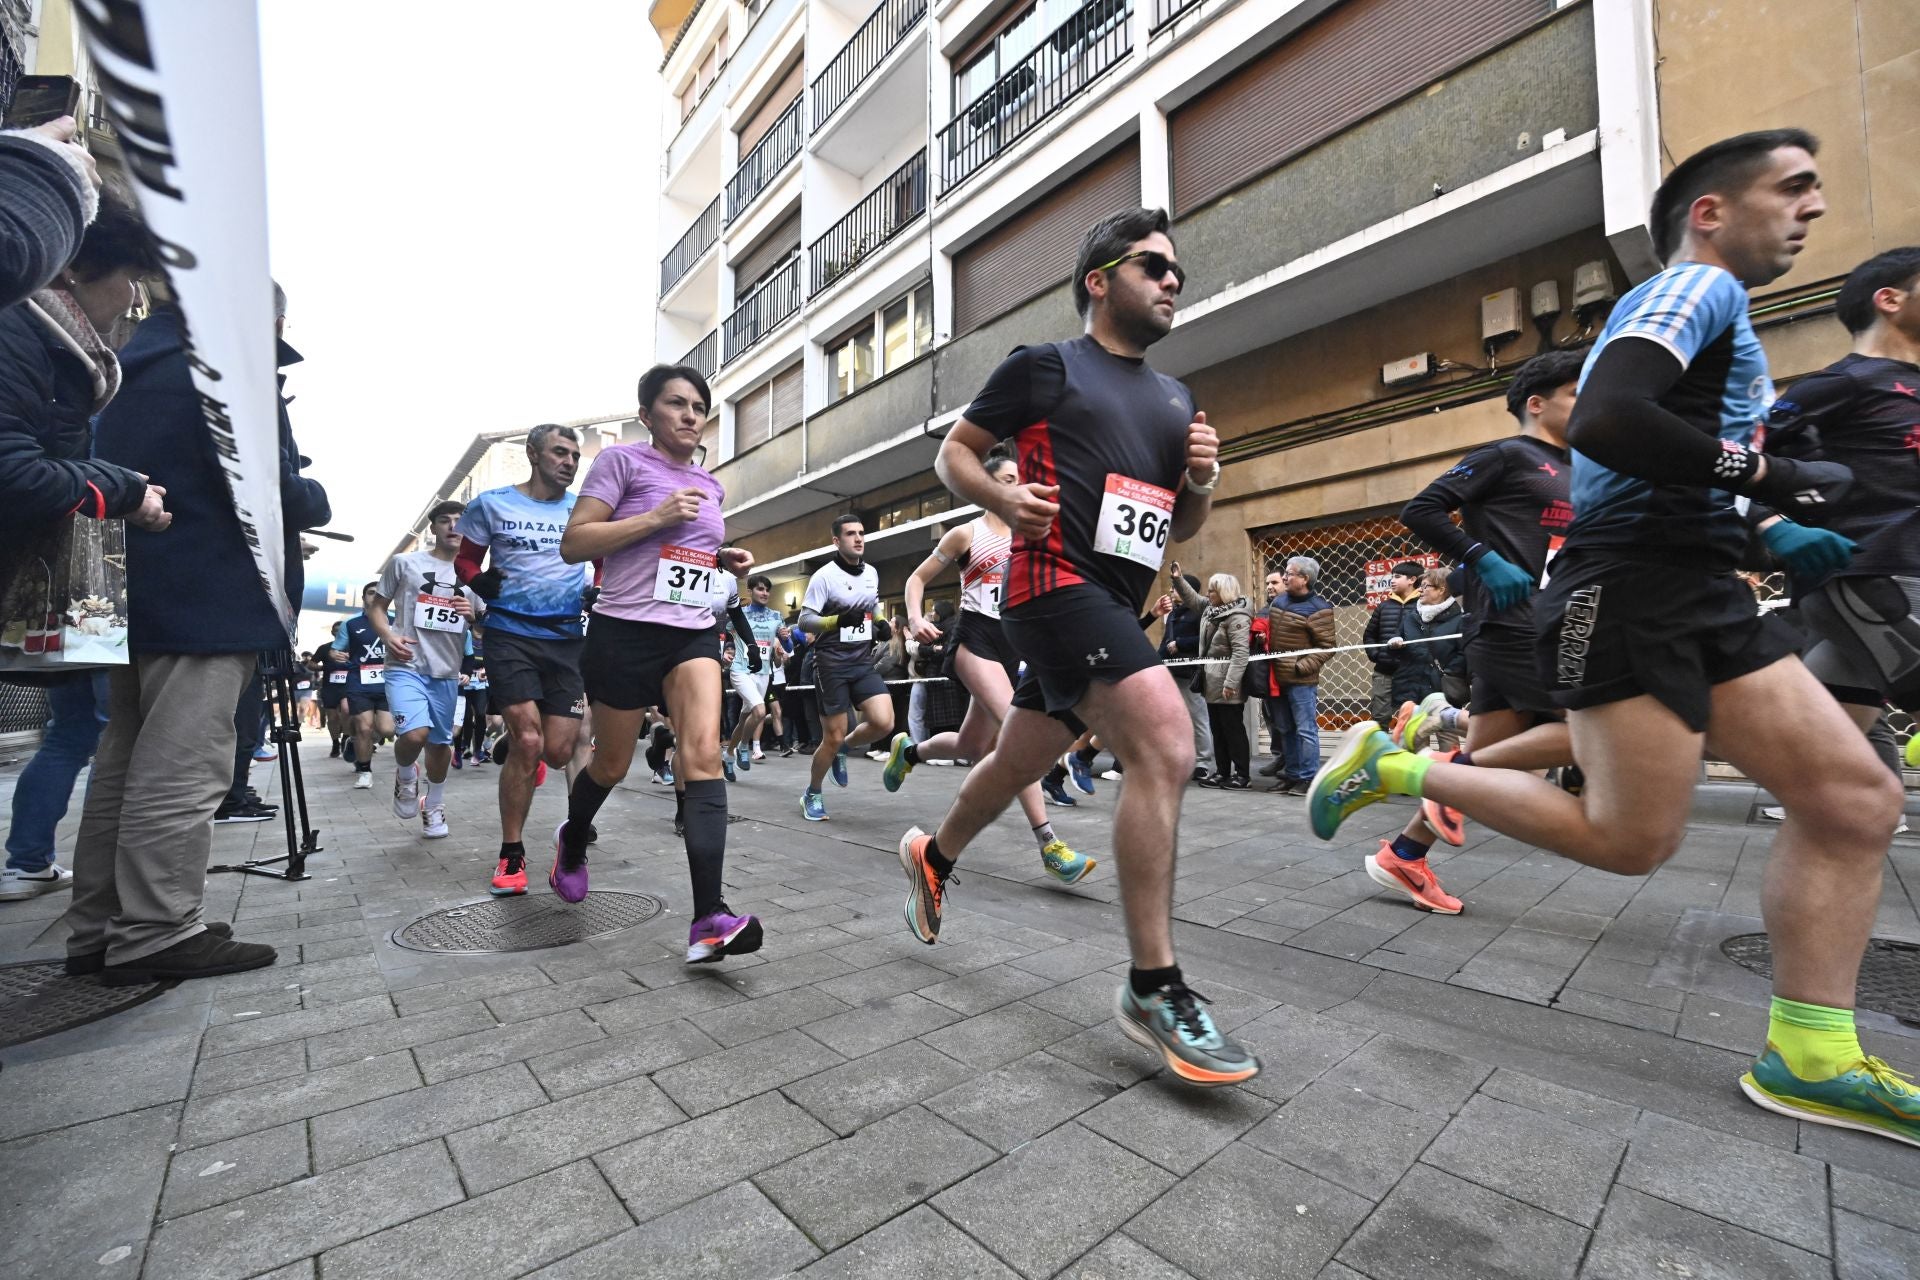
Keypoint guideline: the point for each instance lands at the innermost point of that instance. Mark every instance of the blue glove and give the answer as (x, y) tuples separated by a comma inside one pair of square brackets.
[(1505, 581), (1808, 553)]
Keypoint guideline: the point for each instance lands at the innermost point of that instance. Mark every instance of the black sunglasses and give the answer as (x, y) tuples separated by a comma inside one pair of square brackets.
[(1155, 263)]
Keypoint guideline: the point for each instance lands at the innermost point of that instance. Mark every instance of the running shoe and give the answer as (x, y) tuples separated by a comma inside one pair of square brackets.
[(498, 748), (242, 812), (363, 780), (510, 876), (593, 834), (840, 767), (786, 753), (17, 886), (743, 758), (457, 762), (1911, 754), (1447, 822), (813, 806), (1398, 725), (1414, 878), (663, 776), (1057, 793), (1870, 1096), (540, 773), (1172, 1023), (1063, 864), (406, 793), (1572, 779), (1350, 781), (758, 755), (1112, 775), (568, 875), (264, 754), (1423, 726), (898, 767), (433, 823), (346, 751), (1079, 773), (714, 937), (726, 765), (926, 888)]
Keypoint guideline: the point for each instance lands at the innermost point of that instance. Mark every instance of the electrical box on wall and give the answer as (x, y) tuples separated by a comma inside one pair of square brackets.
[(1500, 316), (1592, 285), (1399, 373), (1544, 303)]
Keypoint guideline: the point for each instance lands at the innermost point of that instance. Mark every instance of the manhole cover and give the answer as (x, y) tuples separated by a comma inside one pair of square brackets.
[(38, 998), (1889, 972), (525, 924)]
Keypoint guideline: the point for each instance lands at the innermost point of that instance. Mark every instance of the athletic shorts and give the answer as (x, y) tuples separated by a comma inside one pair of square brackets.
[(1069, 638), (333, 696), (751, 686), (626, 662), (842, 691), (1865, 639), (358, 704), (1505, 670), (1608, 629), (983, 637), (422, 700), (526, 669)]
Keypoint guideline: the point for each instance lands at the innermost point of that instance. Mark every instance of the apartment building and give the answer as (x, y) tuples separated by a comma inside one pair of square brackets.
[(1384, 205)]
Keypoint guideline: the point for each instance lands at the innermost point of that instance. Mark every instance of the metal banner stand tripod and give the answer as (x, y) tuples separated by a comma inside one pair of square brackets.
[(277, 677)]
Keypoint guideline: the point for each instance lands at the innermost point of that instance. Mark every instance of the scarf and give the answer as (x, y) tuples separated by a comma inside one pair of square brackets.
[(1428, 612), (64, 318)]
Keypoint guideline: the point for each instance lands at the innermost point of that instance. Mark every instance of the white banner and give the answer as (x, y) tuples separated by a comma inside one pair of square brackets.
[(181, 79)]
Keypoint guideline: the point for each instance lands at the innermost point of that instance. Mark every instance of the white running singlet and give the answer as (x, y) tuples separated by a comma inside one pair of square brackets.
[(984, 575)]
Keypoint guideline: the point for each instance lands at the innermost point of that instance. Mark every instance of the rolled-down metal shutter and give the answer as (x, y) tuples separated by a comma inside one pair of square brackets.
[(786, 398), (1035, 250), (768, 252), (778, 99), (1344, 66), (752, 421)]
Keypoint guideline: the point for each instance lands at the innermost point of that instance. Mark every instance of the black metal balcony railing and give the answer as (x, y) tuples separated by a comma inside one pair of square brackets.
[(700, 237), (1093, 39), (1165, 11), (705, 355), (878, 36), (774, 152), (880, 216), (762, 312)]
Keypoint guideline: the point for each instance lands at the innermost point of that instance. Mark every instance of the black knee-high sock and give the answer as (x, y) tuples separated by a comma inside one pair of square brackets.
[(706, 843), (583, 802)]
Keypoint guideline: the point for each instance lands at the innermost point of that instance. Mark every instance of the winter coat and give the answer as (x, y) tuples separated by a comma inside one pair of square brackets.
[(1383, 626), (1422, 665), (1304, 622), (193, 588), (1180, 635), (42, 218), (1225, 640)]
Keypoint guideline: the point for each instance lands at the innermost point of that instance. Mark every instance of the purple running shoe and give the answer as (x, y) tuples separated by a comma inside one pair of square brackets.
[(568, 878), (713, 937)]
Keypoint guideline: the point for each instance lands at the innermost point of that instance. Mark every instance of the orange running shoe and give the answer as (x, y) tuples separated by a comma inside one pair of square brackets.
[(510, 877), (926, 888), (1415, 879), (1399, 725), (1448, 823), (540, 774)]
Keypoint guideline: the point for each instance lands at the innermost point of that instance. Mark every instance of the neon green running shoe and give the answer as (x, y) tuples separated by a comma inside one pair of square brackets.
[(897, 765), (1063, 864), (1350, 781), (1424, 724), (1912, 752), (1871, 1097)]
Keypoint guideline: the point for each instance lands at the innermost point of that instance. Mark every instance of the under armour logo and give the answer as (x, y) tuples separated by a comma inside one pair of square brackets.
[(1097, 657)]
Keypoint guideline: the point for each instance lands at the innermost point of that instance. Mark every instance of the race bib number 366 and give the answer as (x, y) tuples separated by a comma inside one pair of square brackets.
[(686, 576), (1135, 518)]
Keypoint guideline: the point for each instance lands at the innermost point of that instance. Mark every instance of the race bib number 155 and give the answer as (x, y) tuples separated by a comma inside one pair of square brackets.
[(1135, 518)]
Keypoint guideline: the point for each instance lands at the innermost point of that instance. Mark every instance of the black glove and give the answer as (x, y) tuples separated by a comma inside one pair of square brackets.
[(881, 631), (588, 598), (753, 659), (486, 584), (1804, 491)]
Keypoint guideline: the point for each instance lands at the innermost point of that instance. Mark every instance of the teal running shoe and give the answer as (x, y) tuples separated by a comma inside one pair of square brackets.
[(1350, 781), (1172, 1024), (1063, 864), (813, 807), (743, 757), (726, 765), (840, 767), (898, 767), (1871, 1097)]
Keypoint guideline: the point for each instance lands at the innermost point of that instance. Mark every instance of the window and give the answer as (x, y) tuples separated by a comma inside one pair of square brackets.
[(891, 337), (703, 77), (766, 411), (1015, 41)]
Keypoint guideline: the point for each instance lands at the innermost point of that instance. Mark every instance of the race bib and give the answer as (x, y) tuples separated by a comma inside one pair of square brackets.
[(766, 651), (373, 673), (437, 613), (685, 576), (1553, 549), (1135, 518), (858, 634), (995, 584), (336, 677)]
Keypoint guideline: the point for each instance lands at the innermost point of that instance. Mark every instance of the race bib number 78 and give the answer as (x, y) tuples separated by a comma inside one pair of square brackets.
[(1135, 518)]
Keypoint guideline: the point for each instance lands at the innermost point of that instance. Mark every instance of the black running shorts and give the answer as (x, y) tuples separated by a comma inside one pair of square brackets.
[(358, 704), (1069, 638), (1506, 675), (1608, 630), (542, 671), (983, 637), (842, 691), (625, 664)]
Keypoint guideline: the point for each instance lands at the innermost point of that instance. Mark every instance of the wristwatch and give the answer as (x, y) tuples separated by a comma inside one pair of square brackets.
[(1213, 481)]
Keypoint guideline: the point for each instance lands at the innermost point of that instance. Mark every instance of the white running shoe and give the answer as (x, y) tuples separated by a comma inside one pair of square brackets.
[(1111, 775), (757, 757), (406, 793), (363, 781), (434, 823), (17, 886)]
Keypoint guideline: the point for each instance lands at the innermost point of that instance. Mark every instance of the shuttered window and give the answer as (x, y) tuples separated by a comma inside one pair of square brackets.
[(767, 254), (1362, 56), (778, 99), (1036, 249), (768, 409), (786, 398)]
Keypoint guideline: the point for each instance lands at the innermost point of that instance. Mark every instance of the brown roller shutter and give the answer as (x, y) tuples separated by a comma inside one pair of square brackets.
[(778, 99), (786, 398), (1035, 250), (751, 418), (770, 251), (1343, 67)]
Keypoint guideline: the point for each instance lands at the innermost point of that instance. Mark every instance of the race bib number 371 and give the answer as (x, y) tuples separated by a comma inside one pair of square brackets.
[(686, 576), (1135, 518)]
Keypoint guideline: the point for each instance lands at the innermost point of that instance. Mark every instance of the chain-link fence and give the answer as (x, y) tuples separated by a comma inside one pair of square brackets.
[(23, 715)]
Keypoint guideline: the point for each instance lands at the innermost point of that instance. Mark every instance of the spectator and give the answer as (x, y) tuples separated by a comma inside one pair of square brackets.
[(1298, 617), (167, 756), (803, 701), (1225, 627), (1383, 626), (56, 371), (1425, 668), (1180, 638), (51, 192)]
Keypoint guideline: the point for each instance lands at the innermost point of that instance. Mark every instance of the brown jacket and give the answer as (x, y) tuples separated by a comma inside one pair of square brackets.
[(1298, 624)]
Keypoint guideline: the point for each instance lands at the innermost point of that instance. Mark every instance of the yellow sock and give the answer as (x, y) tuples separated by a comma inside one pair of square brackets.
[(1816, 1043), (1402, 772)]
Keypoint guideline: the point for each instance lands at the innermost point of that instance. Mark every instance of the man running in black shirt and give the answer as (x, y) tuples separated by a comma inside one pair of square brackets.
[(1114, 461)]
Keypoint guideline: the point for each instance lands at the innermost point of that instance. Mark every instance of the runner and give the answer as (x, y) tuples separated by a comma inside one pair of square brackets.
[(652, 515), (1512, 498), (1113, 460), (980, 660), (366, 656), (534, 605), (757, 655), (1654, 645), (837, 610), (424, 651), (334, 670)]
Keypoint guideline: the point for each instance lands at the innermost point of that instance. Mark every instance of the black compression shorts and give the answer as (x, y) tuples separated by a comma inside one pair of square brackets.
[(1505, 670), (1069, 638), (625, 664), (526, 669)]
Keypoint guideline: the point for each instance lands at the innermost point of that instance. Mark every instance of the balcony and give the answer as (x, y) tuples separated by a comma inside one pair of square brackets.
[(763, 311), (769, 156), (880, 216), (878, 36), (700, 237), (1093, 39), (705, 355), (1165, 11)]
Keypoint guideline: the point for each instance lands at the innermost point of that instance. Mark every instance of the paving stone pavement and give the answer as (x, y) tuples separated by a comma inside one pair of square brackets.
[(1541, 1087)]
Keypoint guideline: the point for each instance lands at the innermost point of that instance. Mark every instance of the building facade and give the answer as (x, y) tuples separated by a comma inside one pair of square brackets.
[(866, 206)]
